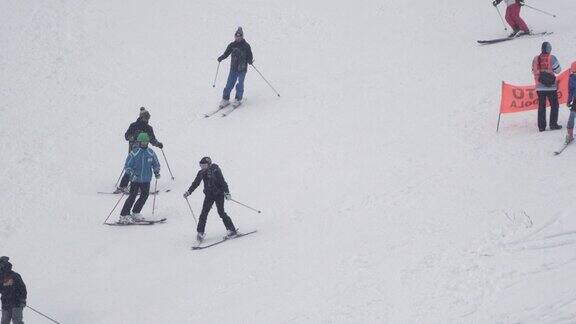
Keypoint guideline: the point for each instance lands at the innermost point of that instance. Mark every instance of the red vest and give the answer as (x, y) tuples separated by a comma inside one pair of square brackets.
[(542, 62)]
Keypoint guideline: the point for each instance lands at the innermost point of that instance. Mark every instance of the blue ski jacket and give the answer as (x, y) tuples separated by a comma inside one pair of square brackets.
[(140, 164)]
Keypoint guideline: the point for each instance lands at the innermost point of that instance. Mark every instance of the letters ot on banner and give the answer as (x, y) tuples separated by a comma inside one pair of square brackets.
[(523, 98)]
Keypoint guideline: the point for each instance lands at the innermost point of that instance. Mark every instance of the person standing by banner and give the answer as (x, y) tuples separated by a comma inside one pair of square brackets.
[(571, 104), (544, 68)]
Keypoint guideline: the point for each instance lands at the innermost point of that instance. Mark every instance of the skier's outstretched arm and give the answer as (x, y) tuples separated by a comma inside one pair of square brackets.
[(195, 183), (227, 53)]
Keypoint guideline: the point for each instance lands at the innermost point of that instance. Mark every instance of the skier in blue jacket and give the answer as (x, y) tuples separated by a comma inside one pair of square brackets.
[(140, 164)]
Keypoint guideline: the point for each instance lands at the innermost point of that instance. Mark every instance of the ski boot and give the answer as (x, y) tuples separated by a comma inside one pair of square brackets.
[(200, 237), (224, 103), (514, 33), (137, 217), (237, 103), (126, 219), (231, 234), (522, 33)]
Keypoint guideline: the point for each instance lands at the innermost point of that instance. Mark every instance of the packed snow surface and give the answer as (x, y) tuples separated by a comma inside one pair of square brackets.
[(387, 195)]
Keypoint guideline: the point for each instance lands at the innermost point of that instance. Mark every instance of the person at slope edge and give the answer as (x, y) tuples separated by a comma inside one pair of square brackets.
[(544, 68), (513, 19), (139, 126), (241, 57), (13, 291), (571, 103)]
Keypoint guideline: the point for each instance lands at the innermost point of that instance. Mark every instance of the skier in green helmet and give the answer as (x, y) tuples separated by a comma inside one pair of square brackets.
[(140, 164)]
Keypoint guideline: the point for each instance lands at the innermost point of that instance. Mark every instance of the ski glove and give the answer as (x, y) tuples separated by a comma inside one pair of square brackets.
[(521, 2), (496, 2), (572, 106), (22, 303), (160, 145), (186, 194), (220, 59), (157, 175), (228, 196)]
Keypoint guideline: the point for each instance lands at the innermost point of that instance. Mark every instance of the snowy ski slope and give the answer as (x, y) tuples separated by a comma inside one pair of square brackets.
[(387, 196)]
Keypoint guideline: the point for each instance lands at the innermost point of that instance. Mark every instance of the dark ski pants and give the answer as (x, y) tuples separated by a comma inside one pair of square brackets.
[(232, 77), (208, 202), (144, 188), (14, 314), (552, 96)]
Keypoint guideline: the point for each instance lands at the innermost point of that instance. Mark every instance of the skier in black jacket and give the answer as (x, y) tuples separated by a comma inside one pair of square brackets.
[(241, 57), (139, 126), (13, 291), (215, 189)]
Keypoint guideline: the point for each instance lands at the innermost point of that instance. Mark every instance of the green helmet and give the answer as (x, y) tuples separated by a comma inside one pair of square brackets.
[(143, 138)]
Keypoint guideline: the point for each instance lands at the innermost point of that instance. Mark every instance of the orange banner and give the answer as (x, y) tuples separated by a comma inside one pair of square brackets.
[(524, 98)]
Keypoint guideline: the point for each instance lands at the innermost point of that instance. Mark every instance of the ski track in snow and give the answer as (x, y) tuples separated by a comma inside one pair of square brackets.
[(387, 195)]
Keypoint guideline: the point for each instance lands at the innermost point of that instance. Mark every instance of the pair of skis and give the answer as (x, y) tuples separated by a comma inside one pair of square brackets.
[(505, 39), (199, 246), (234, 105), (118, 193), (144, 222)]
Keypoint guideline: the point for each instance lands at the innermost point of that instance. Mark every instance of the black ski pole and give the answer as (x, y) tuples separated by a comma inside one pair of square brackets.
[(53, 320), (155, 194), (191, 212), (165, 159), (542, 11), (500, 15), (239, 203), (265, 80), (114, 207), (120, 177), (216, 77)]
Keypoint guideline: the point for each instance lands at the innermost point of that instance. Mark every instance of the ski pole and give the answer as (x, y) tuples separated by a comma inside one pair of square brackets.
[(239, 203), (120, 177), (500, 15), (155, 194), (216, 77), (114, 207), (542, 11), (165, 159), (265, 80), (191, 212), (43, 315)]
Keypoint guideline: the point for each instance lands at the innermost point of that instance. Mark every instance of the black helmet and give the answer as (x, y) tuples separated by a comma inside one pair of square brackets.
[(206, 160)]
